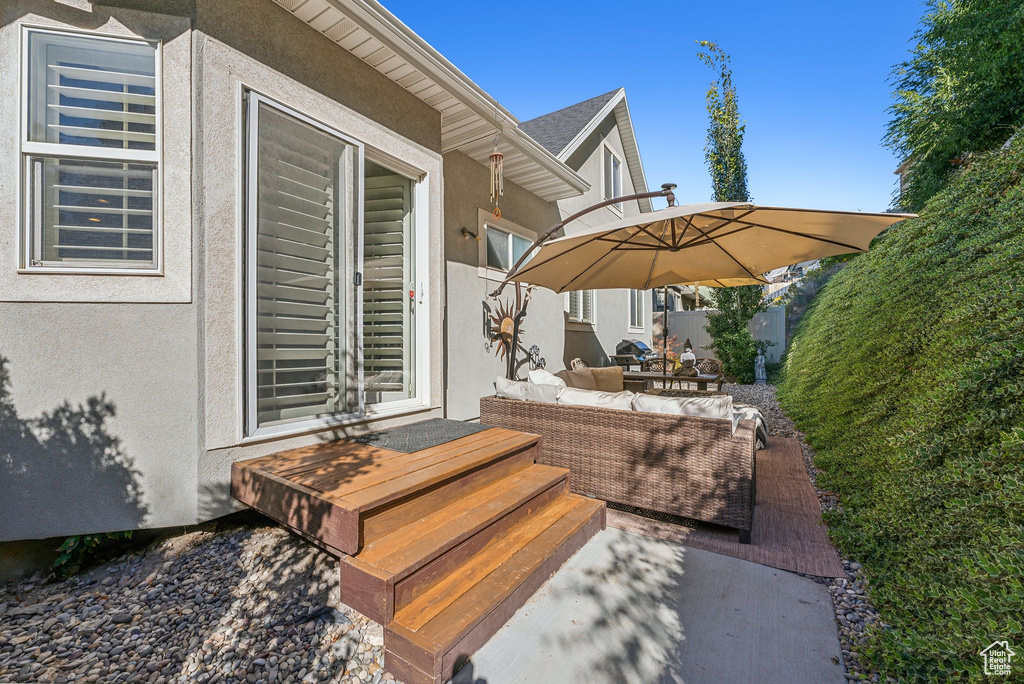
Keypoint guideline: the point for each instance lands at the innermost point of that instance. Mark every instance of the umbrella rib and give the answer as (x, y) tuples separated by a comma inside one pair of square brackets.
[(803, 235), (647, 283), (603, 256), (726, 252)]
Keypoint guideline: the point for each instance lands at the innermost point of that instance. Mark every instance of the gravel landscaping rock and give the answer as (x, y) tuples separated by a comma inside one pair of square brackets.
[(853, 608), (254, 605)]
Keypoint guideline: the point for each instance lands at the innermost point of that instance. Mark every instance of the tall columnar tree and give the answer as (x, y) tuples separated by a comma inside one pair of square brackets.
[(728, 327), (961, 91)]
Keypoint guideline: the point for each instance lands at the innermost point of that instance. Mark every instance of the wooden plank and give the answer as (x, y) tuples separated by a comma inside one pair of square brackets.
[(459, 617), (298, 508), (467, 515), (492, 440), (503, 612), (367, 588), (422, 477), (386, 519), (360, 471), (417, 650), (453, 561), (435, 600)]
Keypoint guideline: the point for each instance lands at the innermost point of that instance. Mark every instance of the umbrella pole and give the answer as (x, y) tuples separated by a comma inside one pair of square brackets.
[(664, 337)]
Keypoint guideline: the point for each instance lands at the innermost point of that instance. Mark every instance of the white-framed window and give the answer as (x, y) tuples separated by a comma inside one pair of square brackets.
[(636, 310), (336, 316), (612, 182), (504, 248), (90, 147), (581, 306)]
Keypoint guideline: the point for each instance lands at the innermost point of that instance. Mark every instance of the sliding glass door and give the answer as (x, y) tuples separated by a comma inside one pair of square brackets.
[(302, 194), (331, 276)]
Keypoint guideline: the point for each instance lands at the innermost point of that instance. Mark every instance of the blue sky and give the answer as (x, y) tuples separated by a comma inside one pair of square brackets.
[(812, 78)]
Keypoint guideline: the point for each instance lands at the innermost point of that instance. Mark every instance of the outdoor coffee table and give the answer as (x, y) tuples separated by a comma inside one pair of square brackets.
[(698, 383)]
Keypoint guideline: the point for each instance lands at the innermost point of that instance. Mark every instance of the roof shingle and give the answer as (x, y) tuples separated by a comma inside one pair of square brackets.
[(556, 130)]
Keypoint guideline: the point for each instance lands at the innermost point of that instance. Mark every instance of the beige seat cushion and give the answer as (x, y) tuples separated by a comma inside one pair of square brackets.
[(608, 379), (525, 391), (572, 396), (580, 379), (717, 406)]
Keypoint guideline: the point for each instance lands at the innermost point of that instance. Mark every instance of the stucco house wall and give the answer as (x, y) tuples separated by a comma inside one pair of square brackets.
[(144, 373)]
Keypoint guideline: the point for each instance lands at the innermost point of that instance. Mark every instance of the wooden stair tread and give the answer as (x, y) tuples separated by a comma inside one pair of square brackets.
[(445, 612), (423, 474), (377, 465), (411, 546)]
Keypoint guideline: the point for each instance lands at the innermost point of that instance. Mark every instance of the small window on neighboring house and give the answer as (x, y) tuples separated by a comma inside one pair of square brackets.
[(612, 177), (581, 306), (636, 309), (504, 248), (91, 149)]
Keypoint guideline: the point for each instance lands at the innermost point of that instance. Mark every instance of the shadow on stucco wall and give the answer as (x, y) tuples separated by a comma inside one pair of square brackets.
[(63, 472)]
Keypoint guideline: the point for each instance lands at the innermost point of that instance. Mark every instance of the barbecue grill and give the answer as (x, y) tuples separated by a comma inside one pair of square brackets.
[(633, 351)]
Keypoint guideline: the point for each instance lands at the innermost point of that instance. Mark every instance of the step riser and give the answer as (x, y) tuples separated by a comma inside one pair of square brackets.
[(415, 584), (373, 592), (415, 660), (379, 522)]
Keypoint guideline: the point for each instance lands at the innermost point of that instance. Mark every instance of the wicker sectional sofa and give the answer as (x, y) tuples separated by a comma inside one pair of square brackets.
[(700, 468)]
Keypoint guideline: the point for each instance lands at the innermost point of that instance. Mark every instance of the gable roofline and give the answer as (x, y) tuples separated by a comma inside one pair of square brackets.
[(618, 106), (470, 117)]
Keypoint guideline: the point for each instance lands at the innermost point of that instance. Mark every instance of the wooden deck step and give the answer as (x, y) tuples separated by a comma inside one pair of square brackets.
[(343, 494), (392, 570), (457, 612)]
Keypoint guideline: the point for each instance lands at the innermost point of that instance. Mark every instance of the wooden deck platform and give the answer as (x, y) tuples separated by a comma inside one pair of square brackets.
[(441, 546)]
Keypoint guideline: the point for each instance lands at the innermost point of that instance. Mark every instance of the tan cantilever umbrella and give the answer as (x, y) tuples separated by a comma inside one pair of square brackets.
[(722, 243)]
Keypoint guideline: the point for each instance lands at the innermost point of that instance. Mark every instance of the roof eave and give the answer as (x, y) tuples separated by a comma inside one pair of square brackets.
[(396, 36)]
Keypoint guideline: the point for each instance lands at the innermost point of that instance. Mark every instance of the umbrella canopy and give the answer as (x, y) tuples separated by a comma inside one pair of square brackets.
[(720, 244)]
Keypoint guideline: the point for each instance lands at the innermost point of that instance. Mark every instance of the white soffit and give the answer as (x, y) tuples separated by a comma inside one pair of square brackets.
[(469, 116)]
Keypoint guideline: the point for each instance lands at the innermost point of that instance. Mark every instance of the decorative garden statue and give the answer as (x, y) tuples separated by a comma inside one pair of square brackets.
[(760, 375)]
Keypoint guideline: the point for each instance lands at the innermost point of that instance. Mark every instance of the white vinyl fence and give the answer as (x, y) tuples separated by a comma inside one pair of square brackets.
[(768, 325)]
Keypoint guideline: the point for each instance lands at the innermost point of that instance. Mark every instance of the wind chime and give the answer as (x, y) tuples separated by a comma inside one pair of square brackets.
[(497, 177), (507, 321)]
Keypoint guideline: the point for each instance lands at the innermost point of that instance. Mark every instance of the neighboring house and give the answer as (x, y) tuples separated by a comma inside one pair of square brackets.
[(236, 227), (781, 279), (683, 298)]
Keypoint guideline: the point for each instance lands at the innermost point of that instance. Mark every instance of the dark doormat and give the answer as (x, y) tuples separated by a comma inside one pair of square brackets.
[(419, 436)]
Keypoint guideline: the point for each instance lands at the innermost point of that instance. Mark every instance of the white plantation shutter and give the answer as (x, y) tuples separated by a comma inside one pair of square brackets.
[(388, 278), (299, 265), (588, 306), (88, 97), (581, 306)]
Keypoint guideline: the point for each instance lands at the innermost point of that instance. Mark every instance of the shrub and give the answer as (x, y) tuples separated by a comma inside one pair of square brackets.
[(907, 375)]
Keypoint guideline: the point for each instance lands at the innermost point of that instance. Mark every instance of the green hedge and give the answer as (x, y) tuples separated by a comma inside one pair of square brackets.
[(907, 375)]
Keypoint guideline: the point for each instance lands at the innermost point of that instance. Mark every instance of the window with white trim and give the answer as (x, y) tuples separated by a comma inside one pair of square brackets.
[(581, 306), (91, 152), (636, 309), (612, 177), (504, 248)]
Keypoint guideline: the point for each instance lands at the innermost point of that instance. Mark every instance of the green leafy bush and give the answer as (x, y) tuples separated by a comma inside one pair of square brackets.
[(907, 375), (75, 551)]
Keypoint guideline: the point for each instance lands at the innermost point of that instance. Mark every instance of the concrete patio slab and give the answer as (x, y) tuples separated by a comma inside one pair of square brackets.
[(631, 608)]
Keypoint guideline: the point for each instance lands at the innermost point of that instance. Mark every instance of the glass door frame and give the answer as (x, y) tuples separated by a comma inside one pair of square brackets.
[(253, 101)]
